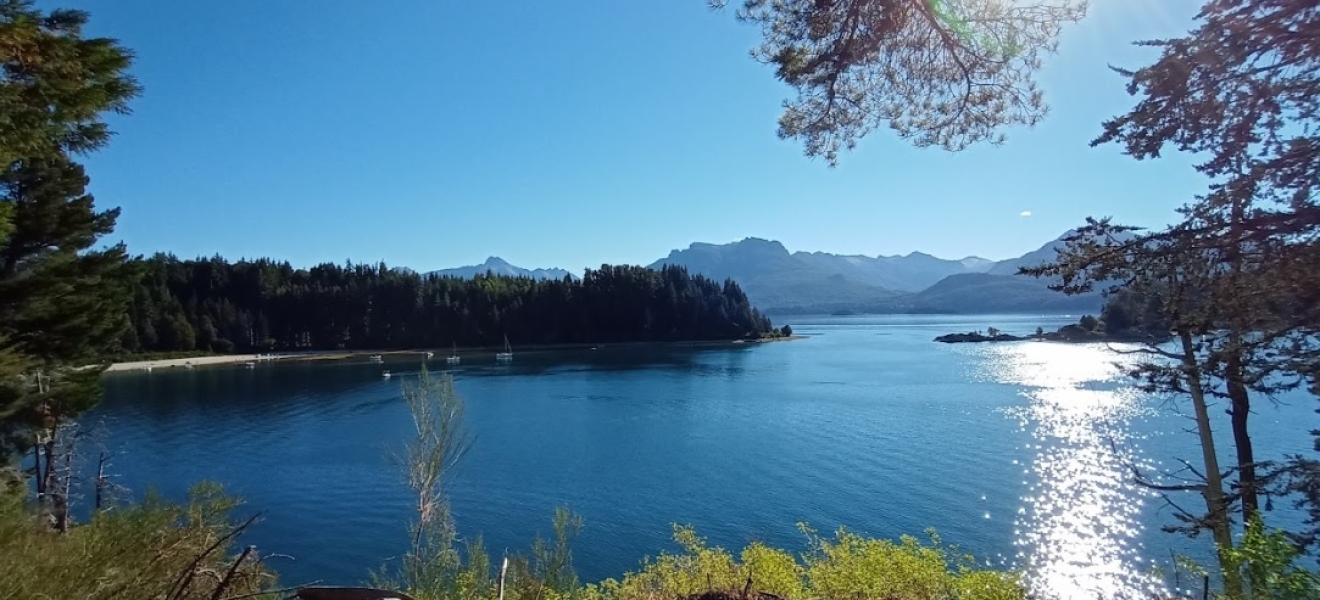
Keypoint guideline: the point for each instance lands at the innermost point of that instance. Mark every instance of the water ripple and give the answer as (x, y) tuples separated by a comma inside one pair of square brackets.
[(1019, 453), (1078, 527)]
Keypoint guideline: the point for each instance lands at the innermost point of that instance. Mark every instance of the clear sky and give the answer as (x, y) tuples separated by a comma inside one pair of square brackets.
[(568, 133)]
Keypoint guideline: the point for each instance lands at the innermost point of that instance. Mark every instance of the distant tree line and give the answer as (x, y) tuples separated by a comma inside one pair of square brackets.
[(258, 305)]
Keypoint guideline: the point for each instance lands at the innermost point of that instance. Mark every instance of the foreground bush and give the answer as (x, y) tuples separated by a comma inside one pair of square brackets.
[(155, 550), (847, 567)]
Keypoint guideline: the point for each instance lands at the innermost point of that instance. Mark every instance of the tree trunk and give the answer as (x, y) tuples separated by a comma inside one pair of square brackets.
[(1234, 374), (100, 481), (48, 476), (38, 474), (55, 487), (1240, 411), (1246, 456), (1213, 491), (504, 569), (60, 502)]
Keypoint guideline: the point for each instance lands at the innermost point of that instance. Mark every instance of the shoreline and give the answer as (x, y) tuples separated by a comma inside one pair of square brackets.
[(196, 361), (310, 355)]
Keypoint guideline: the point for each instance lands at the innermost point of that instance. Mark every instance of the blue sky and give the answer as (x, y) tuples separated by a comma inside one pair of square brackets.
[(570, 133)]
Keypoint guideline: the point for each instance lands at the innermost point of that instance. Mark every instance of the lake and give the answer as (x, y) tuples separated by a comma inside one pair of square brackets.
[(1017, 452)]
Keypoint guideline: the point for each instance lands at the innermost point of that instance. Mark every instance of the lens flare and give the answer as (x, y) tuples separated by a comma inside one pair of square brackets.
[(959, 25)]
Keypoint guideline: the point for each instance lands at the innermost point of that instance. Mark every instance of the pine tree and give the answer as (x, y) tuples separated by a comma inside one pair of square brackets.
[(948, 73), (63, 303), (55, 84), (63, 299)]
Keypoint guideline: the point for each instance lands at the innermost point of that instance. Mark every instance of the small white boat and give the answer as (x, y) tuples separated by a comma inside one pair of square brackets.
[(385, 375), (376, 358), (507, 355), (250, 365), (429, 355), (453, 359)]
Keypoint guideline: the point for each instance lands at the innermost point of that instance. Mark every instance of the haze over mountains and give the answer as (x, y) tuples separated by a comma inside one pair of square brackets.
[(783, 282)]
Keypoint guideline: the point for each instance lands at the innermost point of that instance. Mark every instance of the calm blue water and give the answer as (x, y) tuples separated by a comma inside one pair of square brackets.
[(1018, 452)]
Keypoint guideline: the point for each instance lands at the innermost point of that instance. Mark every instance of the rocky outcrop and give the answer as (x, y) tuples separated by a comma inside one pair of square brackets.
[(976, 336)]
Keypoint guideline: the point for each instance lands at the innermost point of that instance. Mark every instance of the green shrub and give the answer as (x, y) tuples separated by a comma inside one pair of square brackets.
[(437, 565), (548, 574), (1268, 562), (988, 585), (698, 568), (847, 567), (774, 570), (154, 550), (857, 567)]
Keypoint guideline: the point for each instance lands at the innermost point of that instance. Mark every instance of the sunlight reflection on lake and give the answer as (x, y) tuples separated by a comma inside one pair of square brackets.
[(1078, 528)]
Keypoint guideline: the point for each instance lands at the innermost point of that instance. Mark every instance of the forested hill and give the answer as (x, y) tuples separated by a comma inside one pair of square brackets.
[(215, 305)]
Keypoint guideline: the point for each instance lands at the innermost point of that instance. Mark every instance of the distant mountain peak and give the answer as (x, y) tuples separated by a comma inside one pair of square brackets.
[(745, 246), (747, 243), (763, 245), (499, 266), (756, 241), (977, 264)]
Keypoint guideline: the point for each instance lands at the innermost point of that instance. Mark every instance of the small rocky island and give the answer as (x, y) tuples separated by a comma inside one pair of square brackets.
[(1087, 329), (976, 336), (1067, 333)]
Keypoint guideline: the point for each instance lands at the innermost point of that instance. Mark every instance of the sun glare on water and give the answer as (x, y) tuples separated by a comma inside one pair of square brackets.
[(1077, 529)]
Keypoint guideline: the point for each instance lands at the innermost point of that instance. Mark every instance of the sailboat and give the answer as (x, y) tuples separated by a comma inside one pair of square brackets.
[(507, 355), (453, 355)]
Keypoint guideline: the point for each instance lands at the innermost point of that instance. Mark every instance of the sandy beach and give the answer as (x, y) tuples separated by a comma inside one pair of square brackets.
[(229, 359), (196, 361)]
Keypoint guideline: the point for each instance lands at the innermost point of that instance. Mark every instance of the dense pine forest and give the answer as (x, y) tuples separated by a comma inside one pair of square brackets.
[(260, 305)]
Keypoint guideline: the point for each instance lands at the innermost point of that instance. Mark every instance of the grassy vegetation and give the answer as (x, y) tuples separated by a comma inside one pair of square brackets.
[(150, 551)]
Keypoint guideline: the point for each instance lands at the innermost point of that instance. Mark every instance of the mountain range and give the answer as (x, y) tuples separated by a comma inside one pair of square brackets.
[(783, 282), (500, 266), (778, 281)]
